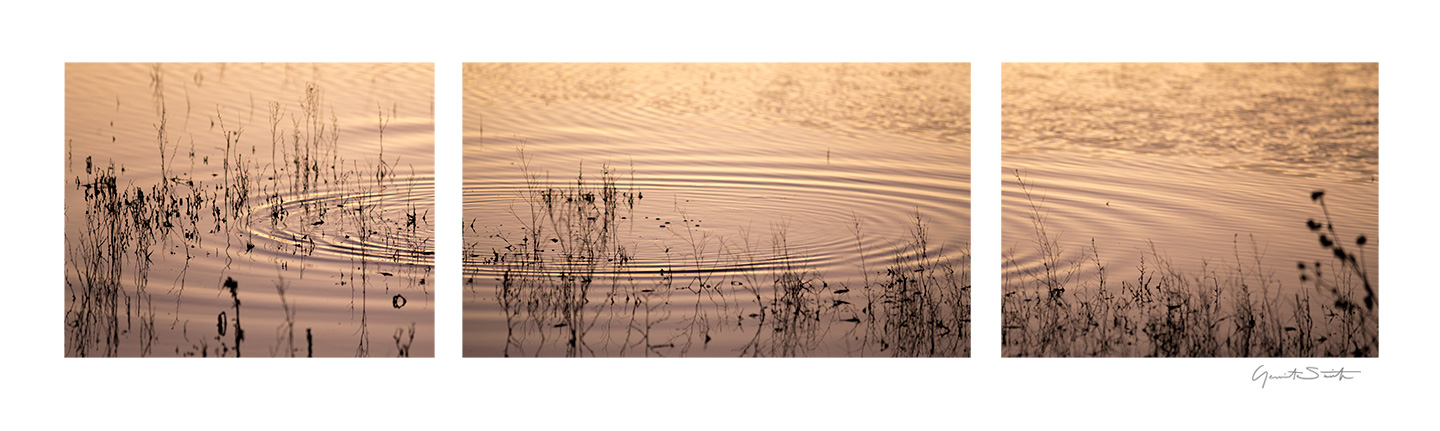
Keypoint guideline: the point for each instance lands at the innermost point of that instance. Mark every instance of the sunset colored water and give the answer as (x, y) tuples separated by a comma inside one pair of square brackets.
[(249, 209), (716, 209), (1203, 178)]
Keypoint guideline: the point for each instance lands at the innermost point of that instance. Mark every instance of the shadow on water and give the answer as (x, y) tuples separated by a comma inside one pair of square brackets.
[(1234, 308), (568, 284), (306, 199), (117, 230)]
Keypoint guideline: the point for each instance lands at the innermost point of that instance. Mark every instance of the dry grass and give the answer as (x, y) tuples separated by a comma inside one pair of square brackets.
[(1230, 307)]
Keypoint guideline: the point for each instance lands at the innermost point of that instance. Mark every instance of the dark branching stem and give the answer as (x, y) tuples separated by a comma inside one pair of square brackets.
[(1337, 248)]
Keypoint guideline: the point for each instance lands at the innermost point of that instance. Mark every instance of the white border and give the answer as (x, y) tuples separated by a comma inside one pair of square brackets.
[(42, 389)]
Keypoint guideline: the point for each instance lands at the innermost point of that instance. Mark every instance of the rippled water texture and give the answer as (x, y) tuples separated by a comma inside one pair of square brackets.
[(1204, 174), (249, 210), (716, 209)]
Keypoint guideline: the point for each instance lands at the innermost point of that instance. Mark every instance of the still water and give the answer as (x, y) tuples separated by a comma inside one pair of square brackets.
[(249, 210), (1210, 167), (716, 209)]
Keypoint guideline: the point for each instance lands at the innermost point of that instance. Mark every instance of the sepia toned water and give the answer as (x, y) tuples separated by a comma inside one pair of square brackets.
[(249, 210), (749, 210), (1212, 164)]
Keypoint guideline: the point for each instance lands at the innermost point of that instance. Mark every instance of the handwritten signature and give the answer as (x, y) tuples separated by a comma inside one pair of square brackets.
[(1307, 373)]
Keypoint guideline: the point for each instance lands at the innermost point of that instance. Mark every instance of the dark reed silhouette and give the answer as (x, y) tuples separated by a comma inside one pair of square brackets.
[(308, 201), (567, 284), (1229, 309)]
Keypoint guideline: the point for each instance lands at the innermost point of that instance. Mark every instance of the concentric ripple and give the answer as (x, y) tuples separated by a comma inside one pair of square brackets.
[(349, 224)]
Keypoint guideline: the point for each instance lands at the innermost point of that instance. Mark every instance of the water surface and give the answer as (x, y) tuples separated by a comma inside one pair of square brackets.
[(1210, 167), (750, 209), (249, 210)]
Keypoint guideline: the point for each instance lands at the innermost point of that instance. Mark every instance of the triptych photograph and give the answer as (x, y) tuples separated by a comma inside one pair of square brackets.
[(721, 210), (741, 215)]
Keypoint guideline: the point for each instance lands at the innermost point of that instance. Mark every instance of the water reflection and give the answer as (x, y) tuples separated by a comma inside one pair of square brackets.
[(323, 219), (716, 209), (568, 285), (1199, 188)]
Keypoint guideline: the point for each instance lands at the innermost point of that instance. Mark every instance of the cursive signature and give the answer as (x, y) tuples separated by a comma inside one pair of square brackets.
[(1307, 373)]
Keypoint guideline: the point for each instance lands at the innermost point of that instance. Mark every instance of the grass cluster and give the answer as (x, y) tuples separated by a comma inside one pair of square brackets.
[(1230, 307), (568, 283), (307, 194)]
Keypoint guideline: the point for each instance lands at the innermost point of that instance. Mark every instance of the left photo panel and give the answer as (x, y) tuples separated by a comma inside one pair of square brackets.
[(248, 209)]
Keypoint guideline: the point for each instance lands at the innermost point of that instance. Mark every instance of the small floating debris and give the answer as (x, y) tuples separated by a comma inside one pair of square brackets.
[(387, 274)]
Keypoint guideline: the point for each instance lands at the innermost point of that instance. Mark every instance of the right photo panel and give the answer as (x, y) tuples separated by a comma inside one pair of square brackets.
[(1190, 210)]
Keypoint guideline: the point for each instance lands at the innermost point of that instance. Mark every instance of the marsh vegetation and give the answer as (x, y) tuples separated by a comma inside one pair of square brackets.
[(170, 238), (568, 283), (1231, 306), (716, 210), (1190, 209)]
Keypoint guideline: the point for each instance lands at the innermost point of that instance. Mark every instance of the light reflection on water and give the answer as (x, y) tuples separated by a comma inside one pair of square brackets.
[(1213, 164), (739, 187), (249, 210), (1318, 119)]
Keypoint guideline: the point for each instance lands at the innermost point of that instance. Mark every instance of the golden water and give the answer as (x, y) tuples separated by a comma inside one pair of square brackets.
[(183, 180), (744, 174)]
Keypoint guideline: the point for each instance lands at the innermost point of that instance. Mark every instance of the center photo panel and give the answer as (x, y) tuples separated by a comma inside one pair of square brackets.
[(716, 210)]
